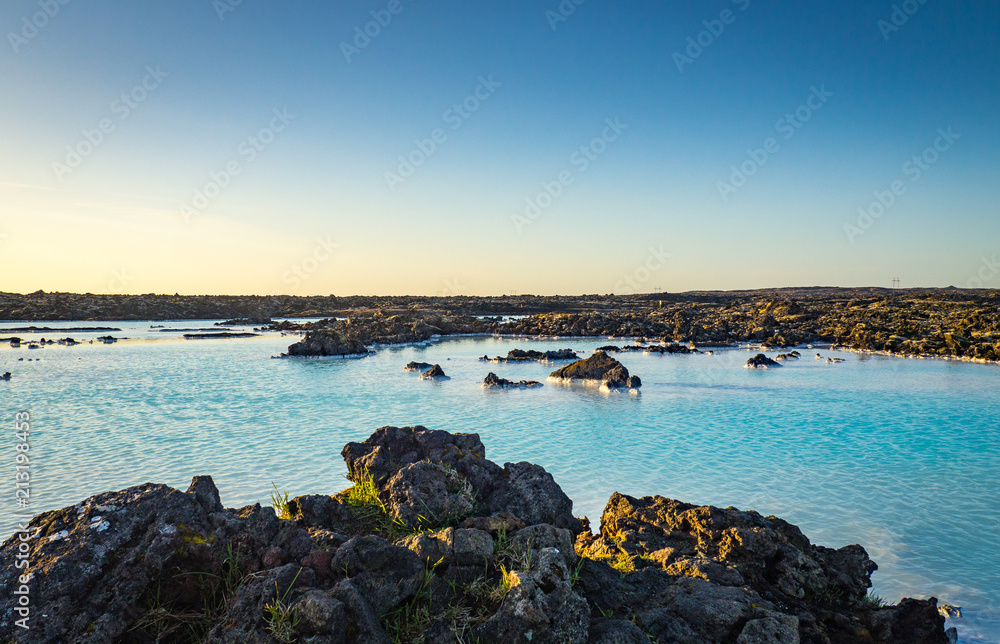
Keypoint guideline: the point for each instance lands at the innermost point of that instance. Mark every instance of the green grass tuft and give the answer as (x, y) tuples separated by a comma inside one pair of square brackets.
[(364, 491), (873, 600), (281, 617), (279, 501)]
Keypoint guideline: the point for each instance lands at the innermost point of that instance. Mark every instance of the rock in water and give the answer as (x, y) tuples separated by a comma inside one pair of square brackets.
[(493, 381), (417, 366), (326, 342), (707, 574), (434, 373), (520, 355), (761, 361), (599, 367)]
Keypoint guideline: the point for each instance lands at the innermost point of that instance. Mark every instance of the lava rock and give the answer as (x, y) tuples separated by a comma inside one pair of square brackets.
[(761, 361), (327, 342), (434, 373), (429, 493), (493, 381), (599, 367), (531, 494)]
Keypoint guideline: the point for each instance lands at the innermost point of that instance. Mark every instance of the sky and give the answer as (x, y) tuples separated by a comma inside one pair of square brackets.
[(407, 147)]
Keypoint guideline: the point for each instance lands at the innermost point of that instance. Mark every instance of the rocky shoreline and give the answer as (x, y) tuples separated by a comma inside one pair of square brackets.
[(943, 322), (935, 326), (435, 543)]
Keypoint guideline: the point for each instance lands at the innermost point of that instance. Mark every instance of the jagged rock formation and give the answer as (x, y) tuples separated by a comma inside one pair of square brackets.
[(434, 373), (761, 361), (600, 368), (377, 329), (327, 342), (435, 543), (520, 355), (493, 381)]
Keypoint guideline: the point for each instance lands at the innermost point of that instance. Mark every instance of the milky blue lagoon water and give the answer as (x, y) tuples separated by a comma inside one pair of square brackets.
[(901, 456)]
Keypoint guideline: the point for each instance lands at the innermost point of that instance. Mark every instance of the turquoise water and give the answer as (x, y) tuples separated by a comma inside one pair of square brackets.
[(898, 455)]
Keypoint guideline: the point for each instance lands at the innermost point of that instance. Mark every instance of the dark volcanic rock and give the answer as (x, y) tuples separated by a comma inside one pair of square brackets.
[(761, 361), (94, 564), (531, 494), (417, 366), (153, 564), (541, 607), (326, 342), (390, 449), (706, 574), (462, 554), (428, 493), (599, 367), (771, 555), (384, 574), (668, 349), (520, 355), (493, 381), (434, 373), (522, 490)]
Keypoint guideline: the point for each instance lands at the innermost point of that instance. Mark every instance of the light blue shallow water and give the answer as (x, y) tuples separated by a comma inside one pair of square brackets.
[(901, 456)]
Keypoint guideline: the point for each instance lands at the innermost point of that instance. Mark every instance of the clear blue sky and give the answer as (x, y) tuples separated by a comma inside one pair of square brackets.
[(320, 203)]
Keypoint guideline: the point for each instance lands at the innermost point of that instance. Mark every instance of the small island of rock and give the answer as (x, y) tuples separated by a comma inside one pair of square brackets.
[(600, 368), (434, 373), (495, 382), (761, 361), (327, 342), (520, 355)]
